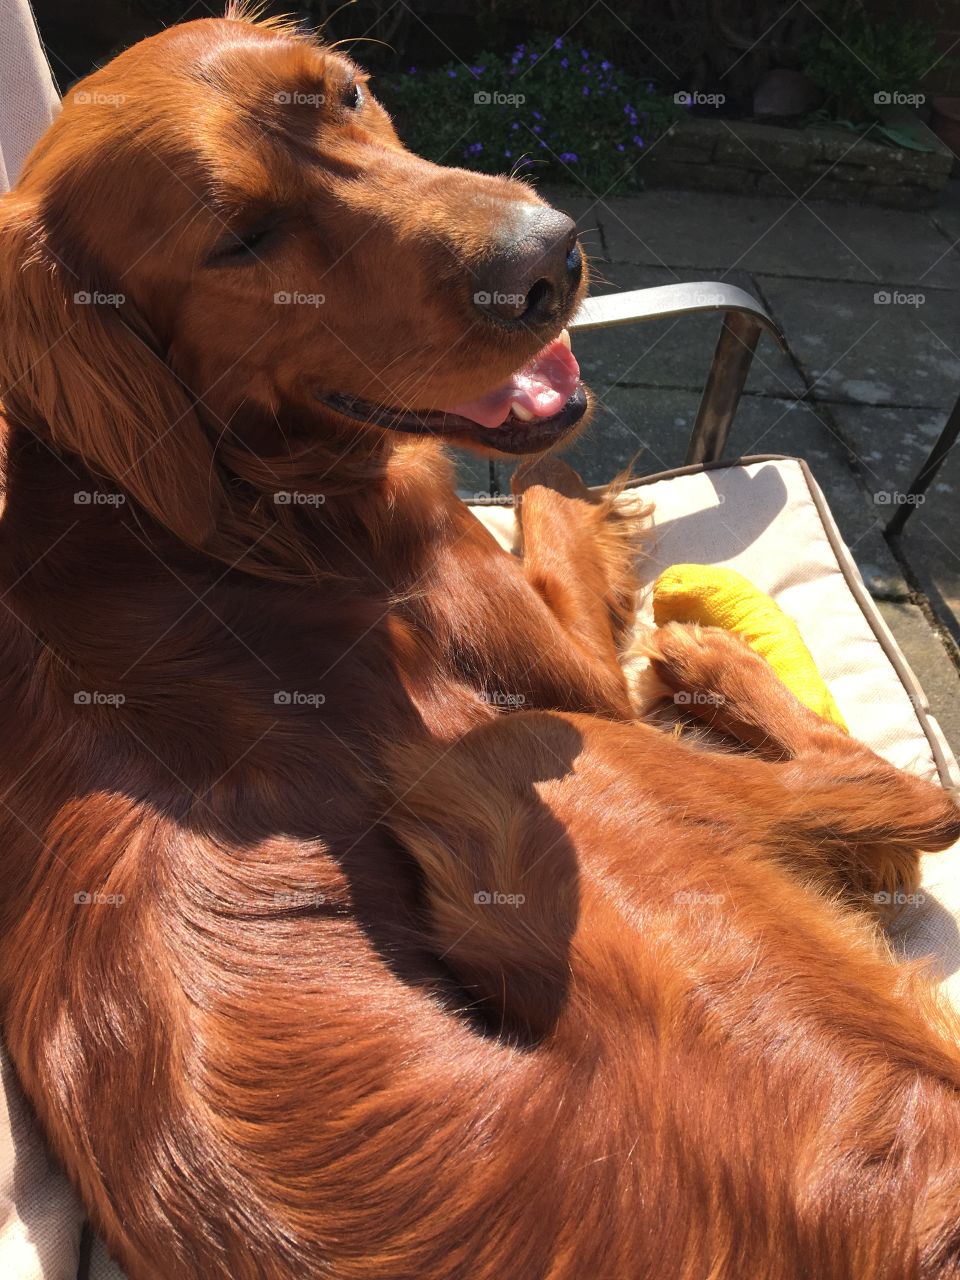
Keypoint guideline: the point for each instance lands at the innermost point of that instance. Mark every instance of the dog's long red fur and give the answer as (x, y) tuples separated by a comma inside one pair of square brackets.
[(309, 1041)]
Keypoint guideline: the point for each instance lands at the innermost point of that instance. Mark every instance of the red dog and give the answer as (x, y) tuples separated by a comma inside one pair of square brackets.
[(315, 963)]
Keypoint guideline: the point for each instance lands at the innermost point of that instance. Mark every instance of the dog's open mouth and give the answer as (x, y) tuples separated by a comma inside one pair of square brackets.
[(530, 411)]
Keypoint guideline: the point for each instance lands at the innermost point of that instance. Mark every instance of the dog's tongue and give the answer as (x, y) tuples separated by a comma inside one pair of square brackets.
[(538, 390)]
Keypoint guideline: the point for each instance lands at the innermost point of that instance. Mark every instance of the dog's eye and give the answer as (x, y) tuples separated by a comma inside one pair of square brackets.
[(242, 247), (353, 98)]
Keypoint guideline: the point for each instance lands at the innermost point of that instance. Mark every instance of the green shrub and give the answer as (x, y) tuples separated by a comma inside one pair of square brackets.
[(559, 107), (863, 65)]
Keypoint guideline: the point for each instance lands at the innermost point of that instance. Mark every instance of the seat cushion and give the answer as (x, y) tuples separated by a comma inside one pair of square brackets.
[(28, 95), (767, 518)]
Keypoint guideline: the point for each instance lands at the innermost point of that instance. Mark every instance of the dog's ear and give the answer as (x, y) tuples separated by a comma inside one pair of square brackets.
[(79, 367)]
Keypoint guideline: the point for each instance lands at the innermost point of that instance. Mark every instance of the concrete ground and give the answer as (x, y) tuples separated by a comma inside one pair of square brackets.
[(862, 393)]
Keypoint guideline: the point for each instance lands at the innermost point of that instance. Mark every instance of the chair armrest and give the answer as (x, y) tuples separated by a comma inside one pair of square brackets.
[(744, 319)]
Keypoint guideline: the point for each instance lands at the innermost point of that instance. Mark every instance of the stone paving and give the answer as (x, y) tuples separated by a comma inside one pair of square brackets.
[(869, 300)]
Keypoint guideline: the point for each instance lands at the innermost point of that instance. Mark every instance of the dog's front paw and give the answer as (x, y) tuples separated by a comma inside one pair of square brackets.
[(553, 474)]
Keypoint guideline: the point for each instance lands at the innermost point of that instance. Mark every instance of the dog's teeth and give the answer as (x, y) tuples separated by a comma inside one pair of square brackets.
[(521, 411), (565, 338)]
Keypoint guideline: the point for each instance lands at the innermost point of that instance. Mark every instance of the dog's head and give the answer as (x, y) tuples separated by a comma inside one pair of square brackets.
[(223, 228)]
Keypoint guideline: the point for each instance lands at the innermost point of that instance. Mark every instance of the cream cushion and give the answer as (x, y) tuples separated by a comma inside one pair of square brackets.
[(27, 92)]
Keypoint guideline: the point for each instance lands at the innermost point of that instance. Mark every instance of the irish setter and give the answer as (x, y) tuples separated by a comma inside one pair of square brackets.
[(356, 922)]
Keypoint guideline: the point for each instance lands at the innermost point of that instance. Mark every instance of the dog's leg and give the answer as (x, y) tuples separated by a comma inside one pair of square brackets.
[(579, 553), (854, 811)]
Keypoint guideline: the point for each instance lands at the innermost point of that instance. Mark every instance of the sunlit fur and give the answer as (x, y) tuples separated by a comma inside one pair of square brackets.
[(307, 1043)]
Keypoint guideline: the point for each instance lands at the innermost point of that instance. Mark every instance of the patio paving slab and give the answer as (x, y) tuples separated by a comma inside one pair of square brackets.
[(927, 657), (815, 240), (862, 351), (674, 352)]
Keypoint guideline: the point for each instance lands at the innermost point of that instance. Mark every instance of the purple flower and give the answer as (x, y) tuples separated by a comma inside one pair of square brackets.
[(474, 149), (452, 74), (637, 140), (537, 128), (584, 55), (411, 71), (586, 91), (514, 126), (568, 157), (621, 147), (536, 115), (508, 154), (564, 62), (558, 43), (649, 88), (477, 71), (605, 66)]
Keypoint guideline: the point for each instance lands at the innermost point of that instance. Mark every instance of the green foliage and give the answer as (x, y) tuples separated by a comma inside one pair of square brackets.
[(865, 65), (554, 105)]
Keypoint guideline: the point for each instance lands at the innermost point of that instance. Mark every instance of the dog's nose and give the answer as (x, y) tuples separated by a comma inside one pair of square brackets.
[(534, 267)]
